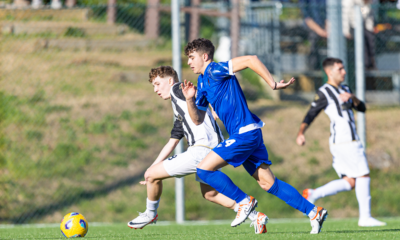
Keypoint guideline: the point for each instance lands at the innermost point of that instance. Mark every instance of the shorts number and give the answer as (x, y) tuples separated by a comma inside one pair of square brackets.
[(229, 142)]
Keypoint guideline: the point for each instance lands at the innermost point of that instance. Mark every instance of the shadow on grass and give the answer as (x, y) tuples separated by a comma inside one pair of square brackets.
[(42, 211)]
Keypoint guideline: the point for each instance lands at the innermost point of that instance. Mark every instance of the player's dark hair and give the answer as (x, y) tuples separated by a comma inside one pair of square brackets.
[(201, 45), (329, 62), (163, 71)]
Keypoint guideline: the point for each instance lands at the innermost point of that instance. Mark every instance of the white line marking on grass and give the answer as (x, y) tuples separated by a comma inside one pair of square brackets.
[(186, 223)]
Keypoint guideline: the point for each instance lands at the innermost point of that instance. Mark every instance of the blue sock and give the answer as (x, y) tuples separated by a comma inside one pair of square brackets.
[(291, 196), (222, 184)]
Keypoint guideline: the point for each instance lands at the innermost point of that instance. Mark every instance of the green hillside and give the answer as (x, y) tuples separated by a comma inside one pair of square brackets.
[(80, 126)]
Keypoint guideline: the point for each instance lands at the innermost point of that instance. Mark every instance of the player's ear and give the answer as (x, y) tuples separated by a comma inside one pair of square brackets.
[(171, 81), (205, 57)]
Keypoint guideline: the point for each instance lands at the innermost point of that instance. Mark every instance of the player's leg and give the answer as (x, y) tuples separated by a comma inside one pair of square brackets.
[(258, 219), (176, 166), (349, 159), (258, 166), (155, 175), (207, 171), (210, 194), (331, 188), (341, 164), (232, 150), (268, 182), (290, 196), (364, 202)]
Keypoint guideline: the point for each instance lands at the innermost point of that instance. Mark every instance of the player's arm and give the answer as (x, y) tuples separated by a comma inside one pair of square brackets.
[(258, 67), (316, 28), (215, 115), (189, 91), (177, 134), (165, 152), (306, 7), (358, 105), (320, 102)]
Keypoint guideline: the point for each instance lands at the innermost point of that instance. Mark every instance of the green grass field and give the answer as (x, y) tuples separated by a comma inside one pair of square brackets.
[(277, 229)]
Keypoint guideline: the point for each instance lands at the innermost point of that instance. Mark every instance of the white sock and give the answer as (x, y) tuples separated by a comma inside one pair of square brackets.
[(236, 207), (313, 212), (363, 196), (151, 207), (252, 216), (330, 188), (246, 200)]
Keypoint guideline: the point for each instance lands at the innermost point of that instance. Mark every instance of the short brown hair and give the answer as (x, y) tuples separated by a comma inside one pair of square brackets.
[(163, 71), (329, 62), (200, 45)]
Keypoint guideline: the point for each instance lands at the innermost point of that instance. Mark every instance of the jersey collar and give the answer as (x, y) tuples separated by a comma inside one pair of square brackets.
[(208, 66)]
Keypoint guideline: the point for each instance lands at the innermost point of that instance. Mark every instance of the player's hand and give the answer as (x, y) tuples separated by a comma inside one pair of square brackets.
[(143, 182), (188, 90), (301, 140), (283, 85), (345, 96), (146, 175)]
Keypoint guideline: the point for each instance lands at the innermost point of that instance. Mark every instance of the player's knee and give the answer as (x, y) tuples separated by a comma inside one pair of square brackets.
[(265, 185), (152, 177), (351, 181)]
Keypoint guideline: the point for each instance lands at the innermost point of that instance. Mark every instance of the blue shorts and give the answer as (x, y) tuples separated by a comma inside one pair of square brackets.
[(245, 149)]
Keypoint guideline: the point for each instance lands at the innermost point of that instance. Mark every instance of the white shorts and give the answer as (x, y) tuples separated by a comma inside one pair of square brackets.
[(186, 163), (349, 159)]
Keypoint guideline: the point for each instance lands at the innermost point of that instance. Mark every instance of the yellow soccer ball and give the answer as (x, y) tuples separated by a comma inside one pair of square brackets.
[(74, 225)]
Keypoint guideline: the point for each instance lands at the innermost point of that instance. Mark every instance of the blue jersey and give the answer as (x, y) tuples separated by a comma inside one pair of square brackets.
[(219, 87)]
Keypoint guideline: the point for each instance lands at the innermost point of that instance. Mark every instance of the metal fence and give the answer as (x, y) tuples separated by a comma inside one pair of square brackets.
[(65, 140)]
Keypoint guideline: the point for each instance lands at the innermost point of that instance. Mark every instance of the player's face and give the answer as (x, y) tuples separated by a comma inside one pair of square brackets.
[(162, 86), (196, 62), (338, 73)]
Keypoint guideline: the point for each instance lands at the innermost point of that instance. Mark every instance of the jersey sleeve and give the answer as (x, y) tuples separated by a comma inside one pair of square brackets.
[(177, 131), (320, 102), (360, 107), (221, 71), (201, 100)]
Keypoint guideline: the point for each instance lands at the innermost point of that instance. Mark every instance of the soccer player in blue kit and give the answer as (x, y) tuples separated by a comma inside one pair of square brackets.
[(217, 85)]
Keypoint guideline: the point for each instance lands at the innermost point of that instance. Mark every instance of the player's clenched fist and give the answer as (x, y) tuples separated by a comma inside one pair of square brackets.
[(188, 90), (301, 140)]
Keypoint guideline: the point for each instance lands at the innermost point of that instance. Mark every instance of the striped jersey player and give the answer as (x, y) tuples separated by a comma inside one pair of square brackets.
[(349, 159)]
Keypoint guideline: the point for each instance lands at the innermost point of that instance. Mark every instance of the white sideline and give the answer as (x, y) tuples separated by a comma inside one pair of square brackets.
[(187, 223)]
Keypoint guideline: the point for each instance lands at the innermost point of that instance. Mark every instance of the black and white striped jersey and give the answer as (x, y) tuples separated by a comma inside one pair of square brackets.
[(343, 127), (207, 134)]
